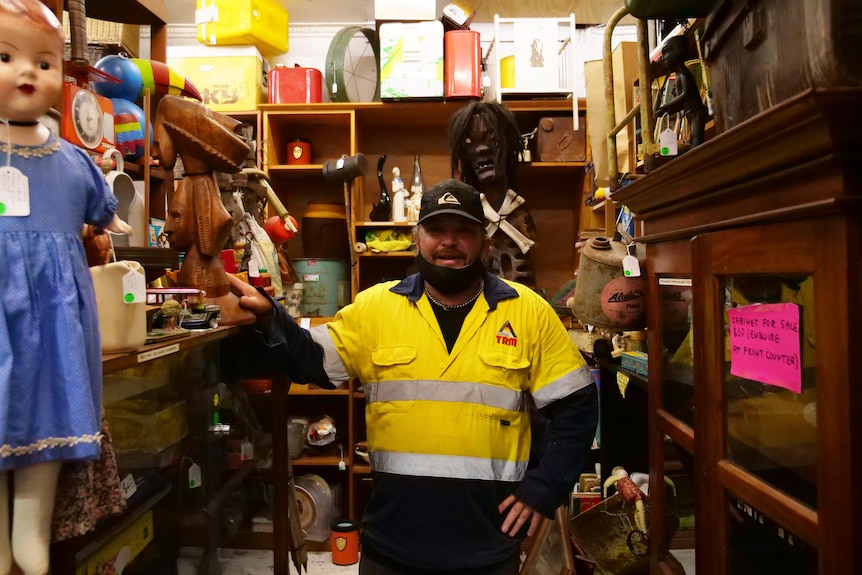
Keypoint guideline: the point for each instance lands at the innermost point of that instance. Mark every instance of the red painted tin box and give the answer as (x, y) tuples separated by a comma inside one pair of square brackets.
[(294, 85)]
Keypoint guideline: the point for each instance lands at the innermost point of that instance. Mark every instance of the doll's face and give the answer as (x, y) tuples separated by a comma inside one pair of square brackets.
[(31, 69)]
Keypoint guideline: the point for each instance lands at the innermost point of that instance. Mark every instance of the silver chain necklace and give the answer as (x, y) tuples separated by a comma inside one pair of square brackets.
[(457, 305)]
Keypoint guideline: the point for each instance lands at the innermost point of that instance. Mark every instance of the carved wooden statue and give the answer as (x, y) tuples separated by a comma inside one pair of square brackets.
[(197, 221), (485, 143), (685, 94)]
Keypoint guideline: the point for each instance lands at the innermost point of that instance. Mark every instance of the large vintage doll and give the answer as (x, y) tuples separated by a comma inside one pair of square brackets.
[(50, 360), (484, 144)]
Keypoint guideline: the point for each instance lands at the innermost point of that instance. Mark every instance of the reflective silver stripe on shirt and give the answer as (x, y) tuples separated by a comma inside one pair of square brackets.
[(332, 364), (452, 466), (564, 386), (435, 390)]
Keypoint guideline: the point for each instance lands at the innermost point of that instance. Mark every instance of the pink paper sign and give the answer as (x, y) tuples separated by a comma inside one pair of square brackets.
[(765, 344)]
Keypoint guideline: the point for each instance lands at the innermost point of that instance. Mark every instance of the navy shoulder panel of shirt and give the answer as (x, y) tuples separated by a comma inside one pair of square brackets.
[(292, 351), (496, 290)]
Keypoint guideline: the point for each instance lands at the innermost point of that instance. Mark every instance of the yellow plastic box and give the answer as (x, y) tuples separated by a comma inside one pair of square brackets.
[(119, 552), (146, 425), (262, 23), (230, 79)]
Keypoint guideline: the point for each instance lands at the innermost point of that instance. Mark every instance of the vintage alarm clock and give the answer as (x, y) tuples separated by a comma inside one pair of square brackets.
[(88, 119)]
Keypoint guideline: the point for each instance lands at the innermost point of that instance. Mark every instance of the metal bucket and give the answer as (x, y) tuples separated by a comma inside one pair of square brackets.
[(326, 286), (604, 296)]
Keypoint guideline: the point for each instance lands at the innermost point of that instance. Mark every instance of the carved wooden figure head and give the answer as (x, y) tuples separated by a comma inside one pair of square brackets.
[(197, 221)]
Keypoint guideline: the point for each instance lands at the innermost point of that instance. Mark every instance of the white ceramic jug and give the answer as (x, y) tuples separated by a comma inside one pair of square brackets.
[(131, 202)]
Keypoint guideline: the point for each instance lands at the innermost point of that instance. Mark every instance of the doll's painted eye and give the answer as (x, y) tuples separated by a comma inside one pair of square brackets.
[(44, 66), (4, 57)]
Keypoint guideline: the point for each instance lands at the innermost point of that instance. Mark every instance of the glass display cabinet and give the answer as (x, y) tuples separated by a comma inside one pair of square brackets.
[(754, 244)]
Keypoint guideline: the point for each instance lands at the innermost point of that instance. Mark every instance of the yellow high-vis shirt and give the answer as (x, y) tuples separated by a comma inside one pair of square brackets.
[(463, 414)]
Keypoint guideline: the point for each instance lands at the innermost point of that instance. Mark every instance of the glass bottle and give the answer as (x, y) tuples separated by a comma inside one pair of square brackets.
[(417, 187)]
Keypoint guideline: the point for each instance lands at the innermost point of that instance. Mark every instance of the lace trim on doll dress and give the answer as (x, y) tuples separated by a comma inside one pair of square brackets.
[(7, 450), (33, 151)]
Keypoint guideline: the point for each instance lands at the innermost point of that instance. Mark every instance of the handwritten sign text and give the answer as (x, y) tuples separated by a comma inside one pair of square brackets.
[(765, 344)]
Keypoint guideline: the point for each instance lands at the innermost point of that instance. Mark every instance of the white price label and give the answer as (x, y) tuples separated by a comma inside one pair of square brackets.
[(14, 192), (195, 476), (667, 143), (134, 287), (247, 450), (631, 267), (128, 487)]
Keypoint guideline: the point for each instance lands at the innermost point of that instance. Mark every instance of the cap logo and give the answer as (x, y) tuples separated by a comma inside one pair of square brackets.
[(448, 198)]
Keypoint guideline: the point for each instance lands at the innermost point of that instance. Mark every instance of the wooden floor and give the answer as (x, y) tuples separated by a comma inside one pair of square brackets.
[(240, 562), (236, 562)]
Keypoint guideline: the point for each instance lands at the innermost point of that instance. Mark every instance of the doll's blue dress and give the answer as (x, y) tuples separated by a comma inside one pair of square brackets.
[(50, 358)]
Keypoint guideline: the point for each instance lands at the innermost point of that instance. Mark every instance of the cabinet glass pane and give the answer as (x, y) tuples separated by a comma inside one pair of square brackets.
[(156, 408), (679, 495), (756, 545), (677, 351), (770, 381)]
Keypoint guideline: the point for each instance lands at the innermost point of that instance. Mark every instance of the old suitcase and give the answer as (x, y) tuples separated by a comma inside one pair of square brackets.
[(557, 140), (762, 52)]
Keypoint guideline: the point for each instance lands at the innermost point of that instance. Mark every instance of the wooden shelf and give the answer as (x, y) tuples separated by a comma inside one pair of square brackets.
[(384, 224), (151, 13), (553, 165), (402, 254), (287, 168), (114, 362), (317, 460), (144, 12)]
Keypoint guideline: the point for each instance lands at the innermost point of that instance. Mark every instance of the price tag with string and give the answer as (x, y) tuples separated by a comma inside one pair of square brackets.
[(14, 186), (134, 282), (631, 265), (667, 141)]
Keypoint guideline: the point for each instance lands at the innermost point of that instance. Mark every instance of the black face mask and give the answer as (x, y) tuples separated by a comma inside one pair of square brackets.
[(449, 280)]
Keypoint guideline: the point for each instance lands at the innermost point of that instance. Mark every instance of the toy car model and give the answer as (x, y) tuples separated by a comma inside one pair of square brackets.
[(207, 318)]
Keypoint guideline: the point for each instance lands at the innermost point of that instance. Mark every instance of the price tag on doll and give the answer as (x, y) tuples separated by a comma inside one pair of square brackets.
[(667, 143), (134, 287), (194, 476), (14, 192), (128, 487)]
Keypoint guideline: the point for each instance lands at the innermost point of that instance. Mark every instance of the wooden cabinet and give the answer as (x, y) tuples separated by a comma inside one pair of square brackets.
[(401, 130), (766, 213)]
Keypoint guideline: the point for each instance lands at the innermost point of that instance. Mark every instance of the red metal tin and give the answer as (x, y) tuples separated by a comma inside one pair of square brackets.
[(463, 64), (298, 151), (294, 85)]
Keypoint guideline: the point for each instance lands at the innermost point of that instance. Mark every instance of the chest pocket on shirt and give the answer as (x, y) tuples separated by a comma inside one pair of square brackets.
[(392, 364), (505, 368)]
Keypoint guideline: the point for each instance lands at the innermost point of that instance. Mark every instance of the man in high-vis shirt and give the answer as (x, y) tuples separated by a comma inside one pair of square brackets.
[(450, 359)]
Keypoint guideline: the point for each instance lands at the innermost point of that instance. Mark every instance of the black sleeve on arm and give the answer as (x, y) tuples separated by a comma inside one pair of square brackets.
[(292, 351), (572, 429)]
